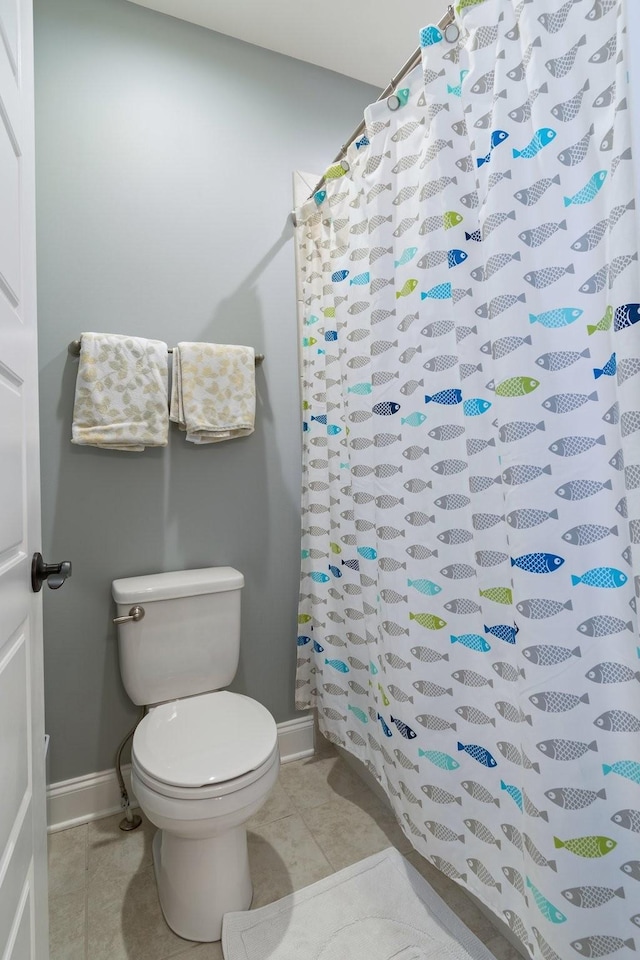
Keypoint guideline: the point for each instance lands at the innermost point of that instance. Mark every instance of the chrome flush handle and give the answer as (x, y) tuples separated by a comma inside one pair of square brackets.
[(136, 613)]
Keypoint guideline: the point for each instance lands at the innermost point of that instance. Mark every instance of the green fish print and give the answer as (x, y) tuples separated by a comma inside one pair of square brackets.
[(498, 594), (429, 620), (517, 387), (588, 847)]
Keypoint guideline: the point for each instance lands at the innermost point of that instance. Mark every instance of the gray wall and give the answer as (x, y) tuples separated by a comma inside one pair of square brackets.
[(165, 155)]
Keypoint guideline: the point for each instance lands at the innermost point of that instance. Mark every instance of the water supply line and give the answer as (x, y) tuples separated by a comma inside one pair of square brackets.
[(131, 820)]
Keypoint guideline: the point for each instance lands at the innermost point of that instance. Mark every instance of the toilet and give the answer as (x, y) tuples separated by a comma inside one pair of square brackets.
[(203, 760)]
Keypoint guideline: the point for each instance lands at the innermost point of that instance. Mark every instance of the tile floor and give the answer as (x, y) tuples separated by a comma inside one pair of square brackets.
[(319, 819)]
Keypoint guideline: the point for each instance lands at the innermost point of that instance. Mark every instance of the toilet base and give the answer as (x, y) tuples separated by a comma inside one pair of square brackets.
[(199, 880)]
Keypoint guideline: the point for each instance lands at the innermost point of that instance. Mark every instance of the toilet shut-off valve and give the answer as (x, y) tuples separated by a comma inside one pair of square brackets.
[(136, 613)]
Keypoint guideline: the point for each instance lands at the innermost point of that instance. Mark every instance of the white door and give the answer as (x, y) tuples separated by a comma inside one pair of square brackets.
[(23, 883)]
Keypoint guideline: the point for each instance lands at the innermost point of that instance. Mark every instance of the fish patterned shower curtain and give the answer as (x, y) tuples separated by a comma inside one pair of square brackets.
[(471, 475)]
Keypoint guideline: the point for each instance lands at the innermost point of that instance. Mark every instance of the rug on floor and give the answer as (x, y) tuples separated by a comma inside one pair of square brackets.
[(377, 909)]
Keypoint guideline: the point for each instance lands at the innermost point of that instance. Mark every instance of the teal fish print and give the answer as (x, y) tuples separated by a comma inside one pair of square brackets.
[(360, 714), (540, 139), (589, 191), (442, 291), (606, 577), (624, 768), (546, 908), (339, 665), (440, 759), (472, 641), (514, 792), (560, 317)]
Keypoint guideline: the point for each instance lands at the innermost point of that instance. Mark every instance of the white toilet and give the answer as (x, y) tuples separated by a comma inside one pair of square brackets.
[(203, 759)]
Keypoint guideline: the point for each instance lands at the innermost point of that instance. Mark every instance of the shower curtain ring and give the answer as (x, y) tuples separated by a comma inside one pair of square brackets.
[(452, 30)]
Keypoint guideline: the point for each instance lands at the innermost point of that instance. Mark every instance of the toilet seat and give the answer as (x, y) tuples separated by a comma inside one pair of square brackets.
[(204, 746)]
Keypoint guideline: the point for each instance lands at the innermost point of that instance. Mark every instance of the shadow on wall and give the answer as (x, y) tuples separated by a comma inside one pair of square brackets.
[(124, 514)]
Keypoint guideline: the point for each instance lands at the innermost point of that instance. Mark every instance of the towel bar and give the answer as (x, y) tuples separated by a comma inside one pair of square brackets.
[(74, 351)]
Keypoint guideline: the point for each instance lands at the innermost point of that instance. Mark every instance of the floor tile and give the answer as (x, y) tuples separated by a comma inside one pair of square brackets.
[(204, 951), (283, 856), (73, 950), (312, 782), (67, 923), (125, 922), (347, 829), (278, 805), (114, 853), (502, 949), (67, 860)]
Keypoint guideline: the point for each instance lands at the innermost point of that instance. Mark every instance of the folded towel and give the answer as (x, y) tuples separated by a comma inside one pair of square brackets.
[(213, 394), (121, 393)]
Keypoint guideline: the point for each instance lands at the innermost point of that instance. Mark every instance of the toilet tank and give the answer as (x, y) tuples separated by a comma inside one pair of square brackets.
[(188, 641)]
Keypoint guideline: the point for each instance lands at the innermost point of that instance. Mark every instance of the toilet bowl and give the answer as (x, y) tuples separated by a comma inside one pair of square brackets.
[(200, 791), (203, 759)]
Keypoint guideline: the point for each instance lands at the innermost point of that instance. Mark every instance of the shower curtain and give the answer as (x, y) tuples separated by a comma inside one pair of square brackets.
[(471, 471)]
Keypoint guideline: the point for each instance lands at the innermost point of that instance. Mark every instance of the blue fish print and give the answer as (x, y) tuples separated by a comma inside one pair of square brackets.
[(538, 562), (385, 729), (367, 552), (386, 409), (302, 641), (339, 665), (360, 280), (339, 275), (352, 564), (451, 397), (561, 317), (513, 792), (503, 632), (333, 430), (625, 316), (335, 571), (606, 577), (442, 291), (330, 336), (406, 256), (540, 139), (320, 196), (430, 35), (476, 236), (497, 137), (473, 641), (317, 647), (608, 370), (475, 406), (455, 257), (321, 419), (478, 753), (406, 731), (318, 577), (362, 142), (624, 768), (589, 191)]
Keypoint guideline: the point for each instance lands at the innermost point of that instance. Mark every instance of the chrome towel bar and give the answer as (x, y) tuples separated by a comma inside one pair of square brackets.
[(74, 351)]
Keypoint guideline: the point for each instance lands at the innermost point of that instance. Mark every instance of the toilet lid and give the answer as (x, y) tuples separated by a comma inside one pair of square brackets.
[(207, 739)]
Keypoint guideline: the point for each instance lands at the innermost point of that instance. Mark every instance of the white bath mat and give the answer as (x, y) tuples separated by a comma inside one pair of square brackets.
[(377, 909)]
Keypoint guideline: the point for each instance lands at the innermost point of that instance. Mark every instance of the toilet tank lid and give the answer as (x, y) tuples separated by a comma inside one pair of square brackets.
[(179, 583)]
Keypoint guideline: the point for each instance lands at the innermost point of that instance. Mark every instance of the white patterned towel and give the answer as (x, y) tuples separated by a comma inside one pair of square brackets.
[(121, 393), (213, 395)]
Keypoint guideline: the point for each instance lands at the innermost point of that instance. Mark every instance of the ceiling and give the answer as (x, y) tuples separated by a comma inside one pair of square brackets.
[(365, 39)]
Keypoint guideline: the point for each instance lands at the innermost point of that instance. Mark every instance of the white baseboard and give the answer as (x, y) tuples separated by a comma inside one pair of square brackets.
[(96, 795)]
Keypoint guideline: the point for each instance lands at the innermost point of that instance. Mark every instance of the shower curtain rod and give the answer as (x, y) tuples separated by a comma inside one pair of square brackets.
[(413, 61)]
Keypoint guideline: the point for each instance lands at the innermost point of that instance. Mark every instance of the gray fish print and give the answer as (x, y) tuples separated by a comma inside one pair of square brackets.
[(493, 264), (507, 671), (518, 928), (559, 359), (474, 715), (417, 485), (477, 483), (586, 533), (405, 762), (449, 467), (523, 113), (619, 264), (531, 810), (443, 362), (456, 535), (482, 832), (515, 879), (499, 304), (470, 200), (606, 52), (574, 798), (490, 558), (458, 571), (471, 679), (547, 275), (576, 153), (512, 713), (580, 489), (427, 655), (420, 552), (603, 625), (484, 36), (526, 517), (438, 328), (545, 949), (462, 606), (518, 73), (619, 211), (432, 259), (600, 9), (535, 854), (448, 869), (479, 792), (573, 446), (518, 429), (590, 240), (429, 689), (606, 98), (627, 367), (496, 177), (566, 111), (632, 869), (483, 874), (548, 654), (599, 945), (523, 473), (553, 701), (609, 672), (618, 721), (399, 694), (434, 187), (566, 402), (552, 22), (539, 235), (494, 220), (559, 67), (477, 445), (529, 196), (612, 415), (606, 143), (432, 722), (356, 738), (483, 521), (542, 609), (565, 750), (629, 819), (512, 834), (438, 795), (590, 897)]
